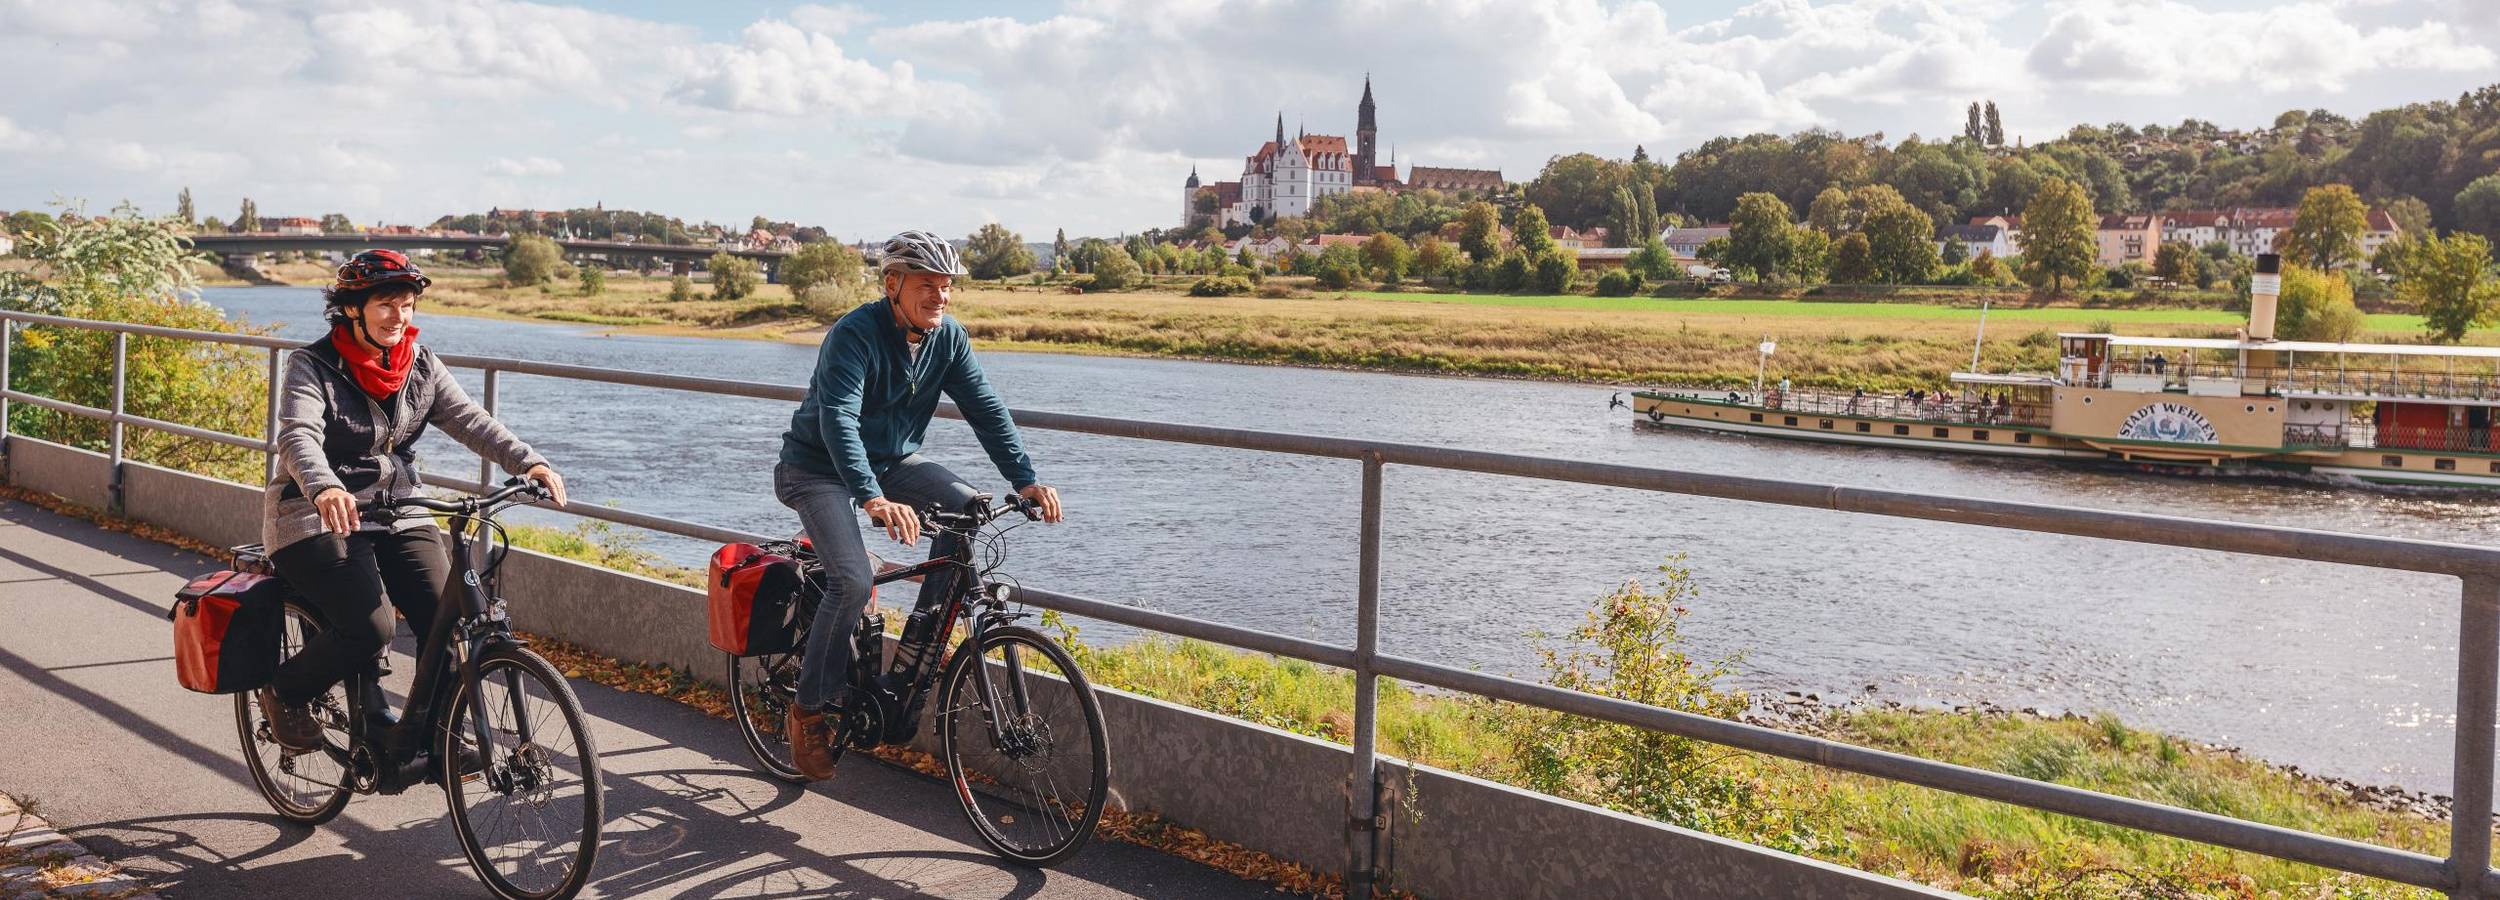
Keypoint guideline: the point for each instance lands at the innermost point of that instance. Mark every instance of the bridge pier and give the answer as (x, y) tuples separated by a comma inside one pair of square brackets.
[(681, 267), (245, 266)]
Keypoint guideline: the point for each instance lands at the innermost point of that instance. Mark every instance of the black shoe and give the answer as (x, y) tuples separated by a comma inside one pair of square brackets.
[(293, 727)]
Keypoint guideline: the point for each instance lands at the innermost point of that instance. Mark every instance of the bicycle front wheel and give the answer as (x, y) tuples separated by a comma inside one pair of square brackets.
[(1024, 745), (527, 807)]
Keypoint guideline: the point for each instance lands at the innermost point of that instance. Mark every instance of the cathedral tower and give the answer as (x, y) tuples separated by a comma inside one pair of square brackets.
[(1365, 129)]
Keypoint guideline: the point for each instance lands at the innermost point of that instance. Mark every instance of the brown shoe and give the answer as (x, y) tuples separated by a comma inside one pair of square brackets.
[(293, 727), (808, 749)]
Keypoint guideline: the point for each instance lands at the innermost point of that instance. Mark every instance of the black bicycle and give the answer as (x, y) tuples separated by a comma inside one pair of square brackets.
[(1021, 733), (491, 722)]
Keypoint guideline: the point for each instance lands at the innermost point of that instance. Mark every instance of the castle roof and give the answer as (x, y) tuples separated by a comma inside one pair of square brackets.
[(1454, 179)]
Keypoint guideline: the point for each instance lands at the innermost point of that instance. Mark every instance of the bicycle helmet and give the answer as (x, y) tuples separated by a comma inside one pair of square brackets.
[(373, 268), (920, 251)]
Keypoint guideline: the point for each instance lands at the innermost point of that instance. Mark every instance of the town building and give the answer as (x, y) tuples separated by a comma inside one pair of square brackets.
[(1996, 240), (1686, 242), (291, 225), (1286, 177), (2128, 237), (2381, 229)]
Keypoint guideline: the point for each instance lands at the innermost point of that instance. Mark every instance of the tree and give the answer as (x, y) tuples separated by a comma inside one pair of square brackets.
[(1996, 128), (1339, 267), (1480, 231), (212, 224), (1557, 270), (2411, 215), (823, 264), (1953, 252), (1387, 257), (1513, 273), (2448, 279), (2477, 207), (680, 289), (1115, 270), (1531, 231), (2059, 235), (1059, 246), (530, 260), (1435, 257), (1903, 243), (249, 219), (2175, 262), (1974, 127), (1986, 267), (337, 223), (123, 267), (1652, 262), (995, 252), (1830, 213), (1759, 236), (2316, 306), (2326, 232), (594, 281), (1809, 253), (1577, 190), (1853, 262), (25, 221), (733, 277), (182, 207)]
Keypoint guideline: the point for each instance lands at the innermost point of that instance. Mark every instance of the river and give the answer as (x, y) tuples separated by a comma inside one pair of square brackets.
[(2340, 670)]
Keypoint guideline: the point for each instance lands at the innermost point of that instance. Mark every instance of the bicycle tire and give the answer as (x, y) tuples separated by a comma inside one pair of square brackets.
[(261, 751), (761, 709), (990, 808), (521, 767)]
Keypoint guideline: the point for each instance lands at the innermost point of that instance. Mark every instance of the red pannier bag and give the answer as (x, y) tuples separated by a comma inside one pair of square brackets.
[(226, 630), (752, 596)]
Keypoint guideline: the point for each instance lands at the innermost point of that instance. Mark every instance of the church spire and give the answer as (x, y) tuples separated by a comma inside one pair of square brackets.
[(1363, 112), (1280, 130)]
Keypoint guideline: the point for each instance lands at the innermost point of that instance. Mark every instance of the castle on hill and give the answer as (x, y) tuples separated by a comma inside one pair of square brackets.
[(1284, 178)]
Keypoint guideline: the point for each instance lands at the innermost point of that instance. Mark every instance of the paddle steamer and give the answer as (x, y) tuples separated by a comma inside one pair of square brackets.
[(2404, 414)]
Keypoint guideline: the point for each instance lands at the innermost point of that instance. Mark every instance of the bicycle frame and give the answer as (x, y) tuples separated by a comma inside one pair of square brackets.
[(467, 624)]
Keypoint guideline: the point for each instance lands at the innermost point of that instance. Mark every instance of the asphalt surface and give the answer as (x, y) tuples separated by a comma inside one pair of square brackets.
[(144, 773)]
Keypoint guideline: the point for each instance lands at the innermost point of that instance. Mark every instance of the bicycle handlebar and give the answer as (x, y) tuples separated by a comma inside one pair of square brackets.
[(469, 506)]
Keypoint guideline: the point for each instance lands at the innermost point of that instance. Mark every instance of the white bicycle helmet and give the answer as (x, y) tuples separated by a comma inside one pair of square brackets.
[(920, 251)]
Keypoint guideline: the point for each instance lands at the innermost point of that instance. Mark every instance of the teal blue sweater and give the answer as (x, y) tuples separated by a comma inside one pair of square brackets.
[(870, 401)]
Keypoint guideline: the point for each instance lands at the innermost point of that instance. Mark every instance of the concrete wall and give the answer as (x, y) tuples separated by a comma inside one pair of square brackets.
[(79, 476), (1270, 790)]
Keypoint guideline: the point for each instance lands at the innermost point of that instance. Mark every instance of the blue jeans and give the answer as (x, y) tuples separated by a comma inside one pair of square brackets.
[(832, 520)]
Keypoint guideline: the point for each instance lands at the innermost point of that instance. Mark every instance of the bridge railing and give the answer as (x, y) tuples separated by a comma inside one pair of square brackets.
[(2464, 872)]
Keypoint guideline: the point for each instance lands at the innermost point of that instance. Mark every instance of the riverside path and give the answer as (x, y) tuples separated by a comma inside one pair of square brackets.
[(151, 777)]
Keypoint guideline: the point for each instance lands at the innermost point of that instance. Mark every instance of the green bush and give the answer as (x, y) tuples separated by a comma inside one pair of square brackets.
[(733, 277), (1114, 270), (1556, 272), (680, 289), (1221, 286), (822, 262), (531, 259), (594, 281), (1514, 273), (1618, 283)]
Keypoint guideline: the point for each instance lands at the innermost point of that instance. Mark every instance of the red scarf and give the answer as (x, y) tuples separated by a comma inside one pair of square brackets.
[(379, 374)]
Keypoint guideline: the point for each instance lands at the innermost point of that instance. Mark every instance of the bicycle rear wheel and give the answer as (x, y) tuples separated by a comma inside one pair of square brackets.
[(1027, 755), (311, 787), (762, 688), (529, 821)]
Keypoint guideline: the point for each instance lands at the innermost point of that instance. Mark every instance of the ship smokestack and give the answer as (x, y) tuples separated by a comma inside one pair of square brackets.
[(2262, 290)]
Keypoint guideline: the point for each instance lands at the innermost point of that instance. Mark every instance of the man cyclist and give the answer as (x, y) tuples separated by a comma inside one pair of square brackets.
[(854, 441)]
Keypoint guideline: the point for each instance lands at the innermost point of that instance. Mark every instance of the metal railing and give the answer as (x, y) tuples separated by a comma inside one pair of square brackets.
[(2465, 872), (2328, 380), (2363, 434)]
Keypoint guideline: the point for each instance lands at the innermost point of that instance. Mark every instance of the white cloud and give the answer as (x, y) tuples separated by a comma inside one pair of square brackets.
[(533, 167), (834, 19), (19, 140), (2169, 47), (778, 68)]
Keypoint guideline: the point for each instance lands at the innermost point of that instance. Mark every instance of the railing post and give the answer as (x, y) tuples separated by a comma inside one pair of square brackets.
[(8, 335), (113, 429), (269, 428), (1362, 788), (486, 467), (2478, 700)]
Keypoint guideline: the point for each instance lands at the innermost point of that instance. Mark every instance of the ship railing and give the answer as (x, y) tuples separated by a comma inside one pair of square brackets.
[(1957, 410), (2364, 434), (2462, 869), (2376, 382)]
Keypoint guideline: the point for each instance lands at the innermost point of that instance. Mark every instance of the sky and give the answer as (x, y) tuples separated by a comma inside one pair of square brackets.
[(1087, 115)]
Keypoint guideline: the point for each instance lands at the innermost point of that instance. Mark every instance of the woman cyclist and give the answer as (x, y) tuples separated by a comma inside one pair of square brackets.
[(352, 407)]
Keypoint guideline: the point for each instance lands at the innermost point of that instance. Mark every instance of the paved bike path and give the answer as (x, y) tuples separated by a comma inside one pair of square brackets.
[(152, 777)]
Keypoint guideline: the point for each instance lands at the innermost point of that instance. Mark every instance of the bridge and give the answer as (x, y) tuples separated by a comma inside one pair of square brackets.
[(682, 256), (130, 761)]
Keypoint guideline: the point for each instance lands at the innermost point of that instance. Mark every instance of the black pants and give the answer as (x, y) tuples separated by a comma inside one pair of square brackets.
[(346, 577)]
